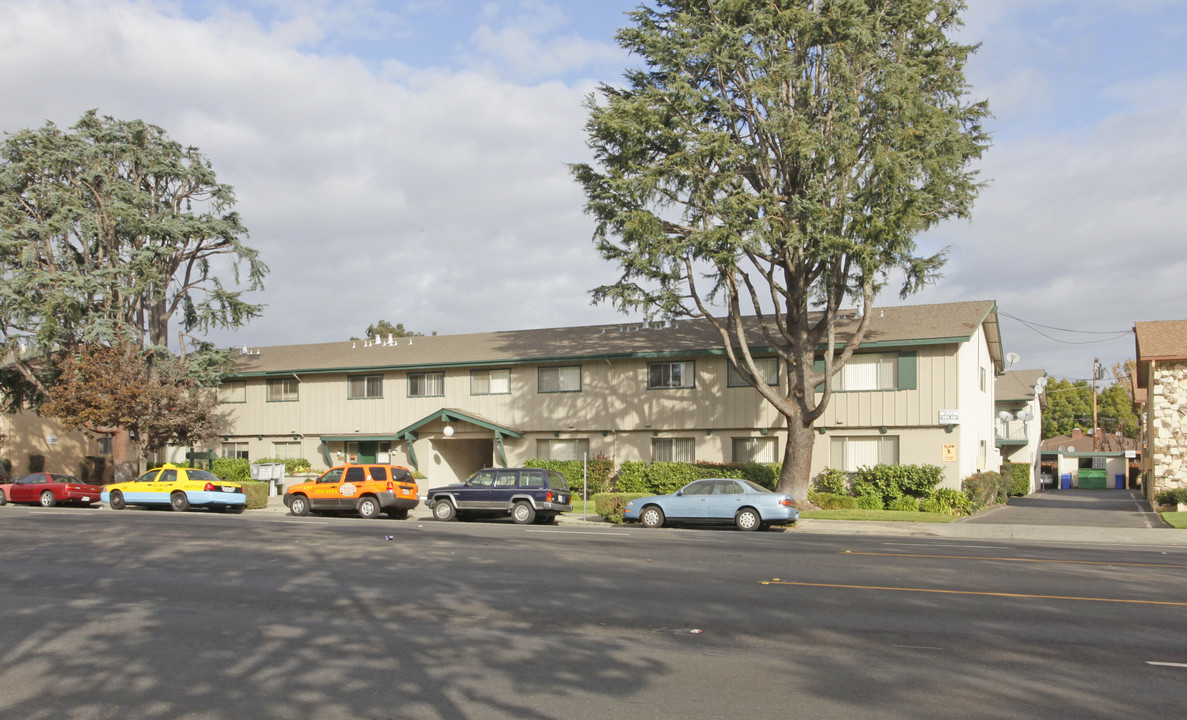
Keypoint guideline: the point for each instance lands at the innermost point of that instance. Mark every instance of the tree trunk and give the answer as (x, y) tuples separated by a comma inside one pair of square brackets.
[(796, 475), (124, 457)]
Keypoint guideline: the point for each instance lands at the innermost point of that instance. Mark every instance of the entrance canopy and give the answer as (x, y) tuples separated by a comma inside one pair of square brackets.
[(446, 416)]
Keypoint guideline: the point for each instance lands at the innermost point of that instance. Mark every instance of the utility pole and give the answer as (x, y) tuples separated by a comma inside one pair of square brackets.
[(1095, 427)]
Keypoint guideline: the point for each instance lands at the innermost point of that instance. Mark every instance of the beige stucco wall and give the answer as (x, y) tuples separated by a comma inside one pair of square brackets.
[(26, 433)]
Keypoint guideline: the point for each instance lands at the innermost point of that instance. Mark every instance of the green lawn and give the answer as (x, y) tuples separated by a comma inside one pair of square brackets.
[(1176, 519), (884, 515)]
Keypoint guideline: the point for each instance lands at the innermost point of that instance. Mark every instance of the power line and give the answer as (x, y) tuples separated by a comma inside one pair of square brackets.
[(1116, 334)]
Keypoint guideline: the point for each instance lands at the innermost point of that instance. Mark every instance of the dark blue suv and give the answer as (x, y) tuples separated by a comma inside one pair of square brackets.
[(526, 494)]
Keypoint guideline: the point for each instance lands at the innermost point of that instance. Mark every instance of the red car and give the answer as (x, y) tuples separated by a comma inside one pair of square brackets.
[(48, 489)]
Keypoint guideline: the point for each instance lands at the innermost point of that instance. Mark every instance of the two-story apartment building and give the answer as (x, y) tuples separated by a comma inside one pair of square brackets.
[(1020, 400), (921, 390)]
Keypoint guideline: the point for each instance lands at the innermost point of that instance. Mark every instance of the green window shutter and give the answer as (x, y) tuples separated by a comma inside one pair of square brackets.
[(818, 367), (907, 370)]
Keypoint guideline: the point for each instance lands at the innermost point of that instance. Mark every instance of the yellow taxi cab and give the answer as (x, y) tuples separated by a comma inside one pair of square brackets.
[(178, 487), (367, 489)]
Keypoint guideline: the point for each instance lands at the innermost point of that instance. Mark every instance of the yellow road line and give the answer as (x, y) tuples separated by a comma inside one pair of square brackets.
[(777, 581), (1006, 559)]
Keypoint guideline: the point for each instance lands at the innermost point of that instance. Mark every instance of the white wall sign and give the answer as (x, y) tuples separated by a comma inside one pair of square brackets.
[(949, 417)]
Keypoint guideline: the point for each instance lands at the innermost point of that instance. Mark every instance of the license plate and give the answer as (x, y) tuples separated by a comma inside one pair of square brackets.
[(227, 488), (86, 498)]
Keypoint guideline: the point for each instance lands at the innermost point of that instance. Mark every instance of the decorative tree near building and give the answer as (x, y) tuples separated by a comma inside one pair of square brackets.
[(110, 232), (778, 158)]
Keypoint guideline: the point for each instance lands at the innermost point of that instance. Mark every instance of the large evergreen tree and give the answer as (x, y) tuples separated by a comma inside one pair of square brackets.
[(110, 232), (778, 158)]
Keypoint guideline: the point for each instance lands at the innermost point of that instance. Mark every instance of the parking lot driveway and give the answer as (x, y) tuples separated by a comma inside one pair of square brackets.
[(1091, 508)]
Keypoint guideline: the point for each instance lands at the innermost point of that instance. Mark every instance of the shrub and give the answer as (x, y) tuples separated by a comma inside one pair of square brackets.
[(891, 482), (985, 488), (1173, 496), (833, 501), (832, 481), (905, 504), (609, 505), (598, 470), (1018, 477), (232, 469), (257, 493), (947, 501), (869, 502)]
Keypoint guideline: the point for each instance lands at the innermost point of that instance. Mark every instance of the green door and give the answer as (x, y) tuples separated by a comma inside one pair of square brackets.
[(368, 451)]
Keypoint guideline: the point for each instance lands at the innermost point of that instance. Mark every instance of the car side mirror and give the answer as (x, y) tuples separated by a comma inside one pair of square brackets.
[(679, 493)]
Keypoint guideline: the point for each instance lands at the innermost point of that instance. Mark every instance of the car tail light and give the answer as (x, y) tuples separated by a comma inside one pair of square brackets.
[(548, 496), (210, 487), (391, 486), (785, 501)]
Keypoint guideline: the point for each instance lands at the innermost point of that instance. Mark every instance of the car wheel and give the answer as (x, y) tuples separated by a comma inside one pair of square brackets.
[(748, 519), (117, 500), (652, 516), (3, 500), (523, 513), (47, 499), (368, 508), (444, 510), (398, 514), (236, 509), (299, 505), (179, 502)]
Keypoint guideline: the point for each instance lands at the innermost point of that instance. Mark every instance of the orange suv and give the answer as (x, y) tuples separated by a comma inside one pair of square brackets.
[(365, 489)]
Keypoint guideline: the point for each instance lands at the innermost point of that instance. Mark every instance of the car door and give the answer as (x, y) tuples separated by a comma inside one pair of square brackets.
[(727, 497), (691, 502), (475, 494), (349, 489), (162, 485), (27, 488), (323, 495)]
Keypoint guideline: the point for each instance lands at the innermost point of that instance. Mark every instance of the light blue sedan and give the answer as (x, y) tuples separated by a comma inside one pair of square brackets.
[(715, 500)]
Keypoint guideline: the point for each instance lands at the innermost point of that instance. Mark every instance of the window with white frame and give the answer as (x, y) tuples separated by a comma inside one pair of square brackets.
[(233, 391), (286, 450), (768, 371), (490, 382), (560, 379), (235, 450), (562, 449), (852, 453), (430, 384), (673, 450), (361, 387), (869, 371), (755, 449), (283, 390), (671, 375)]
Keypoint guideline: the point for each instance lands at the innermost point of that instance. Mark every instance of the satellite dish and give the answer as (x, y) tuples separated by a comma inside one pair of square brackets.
[(1011, 359), (1005, 416), (1041, 382), (1024, 415)]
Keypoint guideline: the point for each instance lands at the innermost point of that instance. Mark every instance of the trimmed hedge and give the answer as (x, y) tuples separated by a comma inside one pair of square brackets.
[(599, 470), (832, 481), (232, 469), (833, 501), (662, 478), (610, 505), (891, 482), (948, 501), (257, 493)]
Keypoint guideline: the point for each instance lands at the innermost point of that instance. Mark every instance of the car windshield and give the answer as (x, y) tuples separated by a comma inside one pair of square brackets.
[(755, 486)]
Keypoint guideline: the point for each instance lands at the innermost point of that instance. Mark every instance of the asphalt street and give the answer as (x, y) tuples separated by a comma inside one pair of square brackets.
[(154, 614)]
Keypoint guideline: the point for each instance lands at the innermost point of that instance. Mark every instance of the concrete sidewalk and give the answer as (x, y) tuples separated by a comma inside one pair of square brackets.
[(1164, 536)]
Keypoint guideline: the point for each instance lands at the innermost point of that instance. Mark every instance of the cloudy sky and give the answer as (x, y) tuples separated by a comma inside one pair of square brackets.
[(405, 160)]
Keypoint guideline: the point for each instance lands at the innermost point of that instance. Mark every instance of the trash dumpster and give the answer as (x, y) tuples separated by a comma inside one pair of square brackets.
[(1119, 481), (1065, 481), (1091, 479)]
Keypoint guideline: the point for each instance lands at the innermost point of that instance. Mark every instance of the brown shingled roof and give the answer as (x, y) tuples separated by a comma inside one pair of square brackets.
[(1164, 339), (908, 324), (1016, 385)]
